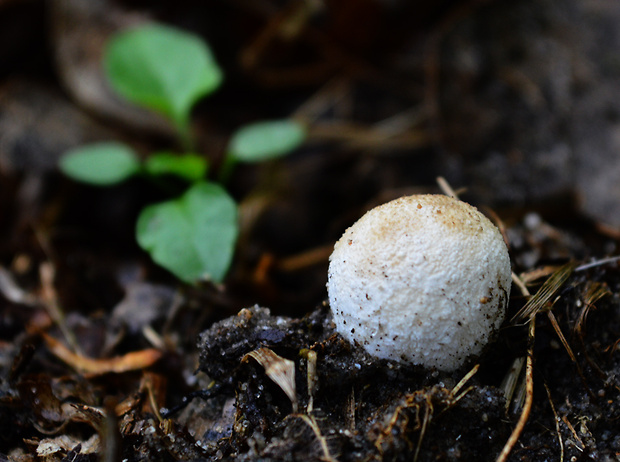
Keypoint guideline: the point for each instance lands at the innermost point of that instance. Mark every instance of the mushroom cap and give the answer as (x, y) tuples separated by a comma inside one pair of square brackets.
[(423, 279)]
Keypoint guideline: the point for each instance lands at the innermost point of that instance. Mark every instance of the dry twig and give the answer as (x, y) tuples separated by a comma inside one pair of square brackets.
[(446, 188), (557, 424), (415, 401), (128, 362), (311, 421), (529, 397), (529, 384)]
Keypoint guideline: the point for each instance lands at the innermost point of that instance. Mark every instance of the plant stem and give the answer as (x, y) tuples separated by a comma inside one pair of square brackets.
[(185, 134), (228, 165)]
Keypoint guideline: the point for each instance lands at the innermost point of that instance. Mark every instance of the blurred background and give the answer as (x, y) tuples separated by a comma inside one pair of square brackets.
[(517, 102)]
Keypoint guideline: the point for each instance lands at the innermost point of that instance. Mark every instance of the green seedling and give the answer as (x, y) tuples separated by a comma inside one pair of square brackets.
[(192, 236), (168, 71), (101, 164), (190, 167), (163, 69), (262, 141)]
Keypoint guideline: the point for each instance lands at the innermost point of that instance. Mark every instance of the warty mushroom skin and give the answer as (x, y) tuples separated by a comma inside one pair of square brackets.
[(423, 280)]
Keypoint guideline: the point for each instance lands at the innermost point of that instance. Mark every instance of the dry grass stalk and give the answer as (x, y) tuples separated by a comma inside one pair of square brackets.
[(567, 347), (529, 396), (312, 379), (311, 421), (558, 331), (543, 299), (557, 423), (462, 383), (422, 401), (446, 188), (529, 382), (595, 263), (594, 292), (575, 435), (536, 274), (49, 298), (509, 384)]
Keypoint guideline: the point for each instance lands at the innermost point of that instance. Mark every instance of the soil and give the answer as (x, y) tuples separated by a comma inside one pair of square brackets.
[(105, 356)]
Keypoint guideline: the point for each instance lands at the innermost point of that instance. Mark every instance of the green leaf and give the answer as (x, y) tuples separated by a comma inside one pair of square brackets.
[(190, 167), (162, 68), (100, 164), (266, 140), (193, 236)]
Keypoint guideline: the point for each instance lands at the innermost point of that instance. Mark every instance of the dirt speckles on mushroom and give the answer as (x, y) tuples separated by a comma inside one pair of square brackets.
[(418, 264)]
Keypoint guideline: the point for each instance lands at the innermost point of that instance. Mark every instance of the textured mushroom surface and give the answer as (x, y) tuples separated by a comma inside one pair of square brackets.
[(423, 280)]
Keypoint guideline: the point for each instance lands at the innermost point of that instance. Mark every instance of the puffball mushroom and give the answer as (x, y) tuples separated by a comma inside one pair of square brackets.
[(423, 280)]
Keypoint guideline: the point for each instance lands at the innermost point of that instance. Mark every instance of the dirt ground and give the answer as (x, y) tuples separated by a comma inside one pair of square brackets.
[(105, 356)]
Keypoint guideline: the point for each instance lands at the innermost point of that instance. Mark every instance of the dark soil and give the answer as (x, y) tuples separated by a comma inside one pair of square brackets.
[(104, 356)]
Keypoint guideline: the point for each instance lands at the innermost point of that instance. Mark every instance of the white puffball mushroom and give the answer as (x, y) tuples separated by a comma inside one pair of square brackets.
[(423, 280)]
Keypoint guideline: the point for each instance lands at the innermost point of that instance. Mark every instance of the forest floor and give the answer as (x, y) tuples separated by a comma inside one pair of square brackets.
[(105, 356)]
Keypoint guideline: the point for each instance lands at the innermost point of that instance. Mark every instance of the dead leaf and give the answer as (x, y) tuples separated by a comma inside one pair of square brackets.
[(278, 369)]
